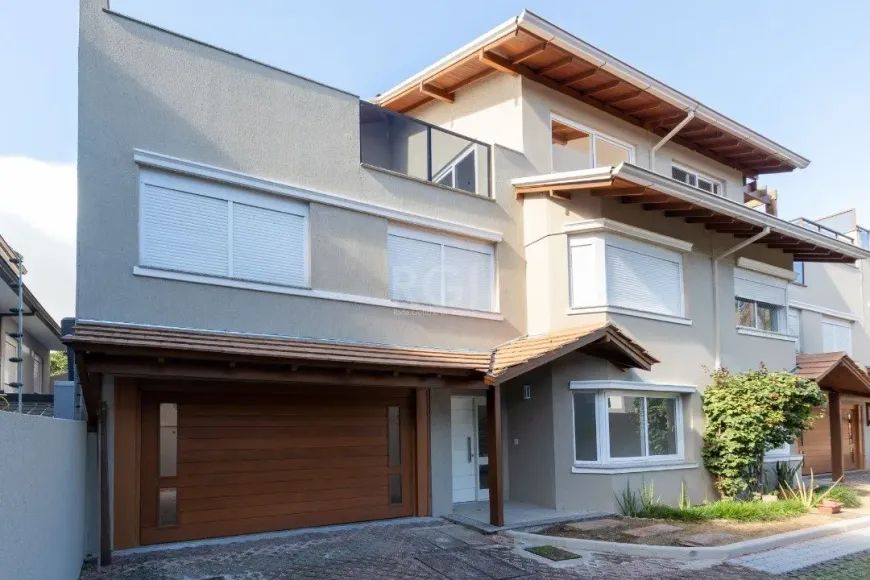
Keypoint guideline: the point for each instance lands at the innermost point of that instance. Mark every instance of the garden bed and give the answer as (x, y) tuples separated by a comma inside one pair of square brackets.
[(746, 521)]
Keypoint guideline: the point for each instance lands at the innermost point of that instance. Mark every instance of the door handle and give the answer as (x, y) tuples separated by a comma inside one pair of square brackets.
[(470, 454)]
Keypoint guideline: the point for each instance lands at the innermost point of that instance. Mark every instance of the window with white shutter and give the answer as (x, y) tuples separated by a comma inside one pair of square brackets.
[(613, 272), (428, 268), (198, 227), (760, 301), (836, 336), (697, 179)]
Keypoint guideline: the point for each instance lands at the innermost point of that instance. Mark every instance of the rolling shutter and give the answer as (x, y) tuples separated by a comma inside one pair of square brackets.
[(760, 288), (268, 246), (415, 270), (467, 279), (640, 281), (837, 336), (183, 231)]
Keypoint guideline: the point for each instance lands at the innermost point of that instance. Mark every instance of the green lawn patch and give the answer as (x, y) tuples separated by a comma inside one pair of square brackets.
[(845, 495), (553, 553), (741, 511)]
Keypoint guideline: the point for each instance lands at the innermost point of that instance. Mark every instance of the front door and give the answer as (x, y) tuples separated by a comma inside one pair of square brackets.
[(469, 444), (851, 417)]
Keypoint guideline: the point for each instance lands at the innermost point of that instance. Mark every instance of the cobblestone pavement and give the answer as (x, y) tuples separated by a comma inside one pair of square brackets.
[(429, 551)]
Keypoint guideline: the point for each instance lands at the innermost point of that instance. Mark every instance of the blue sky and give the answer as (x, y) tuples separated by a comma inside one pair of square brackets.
[(796, 72)]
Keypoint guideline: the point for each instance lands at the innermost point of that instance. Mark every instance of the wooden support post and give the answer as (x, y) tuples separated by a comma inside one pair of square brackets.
[(423, 457), (493, 415), (836, 434), (105, 521)]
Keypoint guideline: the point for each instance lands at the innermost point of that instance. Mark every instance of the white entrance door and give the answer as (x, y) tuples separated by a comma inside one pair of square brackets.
[(469, 449)]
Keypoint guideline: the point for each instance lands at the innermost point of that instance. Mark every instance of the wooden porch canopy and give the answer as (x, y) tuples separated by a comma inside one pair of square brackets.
[(838, 374), (631, 184), (544, 53)]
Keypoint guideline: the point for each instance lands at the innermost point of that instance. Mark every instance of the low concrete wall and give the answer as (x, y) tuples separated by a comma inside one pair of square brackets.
[(42, 497)]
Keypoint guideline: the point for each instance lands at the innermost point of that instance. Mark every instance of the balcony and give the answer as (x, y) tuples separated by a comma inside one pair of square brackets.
[(825, 231), (404, 145)]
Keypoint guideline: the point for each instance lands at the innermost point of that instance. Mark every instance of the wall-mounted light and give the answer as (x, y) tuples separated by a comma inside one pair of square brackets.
[(527, 392)]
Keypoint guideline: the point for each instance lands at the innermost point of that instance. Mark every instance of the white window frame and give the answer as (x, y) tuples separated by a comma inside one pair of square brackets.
[(451, 169), (701, 175), (600, 243), (593, 135), (604, 389), (453, 242), (37, 366), (769, 280), (838, 322), (197, 186)]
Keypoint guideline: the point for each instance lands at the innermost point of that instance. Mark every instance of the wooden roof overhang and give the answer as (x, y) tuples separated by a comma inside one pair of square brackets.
[(834, 371), (631, 184), (174, 353), (536, 49)]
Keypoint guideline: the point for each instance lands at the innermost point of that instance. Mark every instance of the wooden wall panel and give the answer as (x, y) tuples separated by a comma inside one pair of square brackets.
[(126, 465)]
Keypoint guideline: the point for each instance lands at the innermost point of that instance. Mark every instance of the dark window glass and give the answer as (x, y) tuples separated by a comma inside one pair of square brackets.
[(482, 430), (395, 489), (745, 314), (483, 471), (799, 270), (167, 507), (585, 438), (394, 438), (168, 440)]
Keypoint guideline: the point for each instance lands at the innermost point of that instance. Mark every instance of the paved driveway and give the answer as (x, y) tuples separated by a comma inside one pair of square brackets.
[(434, 550)]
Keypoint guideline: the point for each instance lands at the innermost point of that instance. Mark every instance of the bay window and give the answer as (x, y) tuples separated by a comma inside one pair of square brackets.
[(615, 425)]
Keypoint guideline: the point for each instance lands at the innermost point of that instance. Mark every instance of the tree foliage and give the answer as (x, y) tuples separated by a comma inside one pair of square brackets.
[(57, 362), (748, 414)]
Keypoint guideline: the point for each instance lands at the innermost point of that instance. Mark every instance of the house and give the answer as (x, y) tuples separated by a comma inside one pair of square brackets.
[(502, 282), (41, 335), (828, 314)]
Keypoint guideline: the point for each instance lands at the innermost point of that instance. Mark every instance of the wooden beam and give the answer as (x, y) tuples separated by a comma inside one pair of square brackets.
[(716, 219), (534, 51), (714, 137), (663, 118), (618, 191), (105, 515), (558, 140), (497, 62), (626, 97), (642, 108), (668, 205), (696, 132), (700, 212), (554, 66), (647, 198), (494, 442), (580, 77), (736, 227), (423, 458), (601, 88), (836, 423), (436, 93)]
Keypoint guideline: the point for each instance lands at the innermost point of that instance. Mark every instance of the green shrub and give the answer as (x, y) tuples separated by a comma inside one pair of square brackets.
[(845, 495), (741, 511)]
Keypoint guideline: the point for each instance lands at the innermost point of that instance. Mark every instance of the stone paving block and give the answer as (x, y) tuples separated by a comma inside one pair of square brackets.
[(488, 562), (654, 530), (592, 525), (440, 539), (709, 539)]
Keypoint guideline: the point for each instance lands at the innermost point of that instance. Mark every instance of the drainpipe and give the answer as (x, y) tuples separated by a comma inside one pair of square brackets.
[(666, 138), (717, 342)]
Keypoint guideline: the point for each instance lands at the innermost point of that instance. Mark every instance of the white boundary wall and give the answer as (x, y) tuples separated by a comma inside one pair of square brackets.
[(42, 497)]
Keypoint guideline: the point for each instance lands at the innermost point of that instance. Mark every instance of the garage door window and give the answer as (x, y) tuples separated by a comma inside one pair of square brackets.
[(394, 451), (167, 510)]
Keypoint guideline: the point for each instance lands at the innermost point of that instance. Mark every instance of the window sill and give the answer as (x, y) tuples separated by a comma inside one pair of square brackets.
[(309, 293), (629, 312), (618, 468), (775, 458), (425, 181), (765, 334)]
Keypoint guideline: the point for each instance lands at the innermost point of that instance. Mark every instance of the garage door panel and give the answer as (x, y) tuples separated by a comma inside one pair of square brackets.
[(245, 489), (275, 499), (340, 463), (210, 455), (253, 464)]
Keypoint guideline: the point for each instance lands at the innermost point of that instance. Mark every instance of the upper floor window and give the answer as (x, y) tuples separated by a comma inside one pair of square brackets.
[(199, 227), (614, 272), (760, 301), (836, 335), (577, 147), (798, 268), (406, 145), (697, 179), (429, 268)]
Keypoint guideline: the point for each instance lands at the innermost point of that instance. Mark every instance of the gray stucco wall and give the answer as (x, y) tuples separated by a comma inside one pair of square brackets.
[(43, 496), (140, 87)]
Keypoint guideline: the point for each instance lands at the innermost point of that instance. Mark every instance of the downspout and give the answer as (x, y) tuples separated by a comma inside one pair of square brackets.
[(666, 138), (717, 341)]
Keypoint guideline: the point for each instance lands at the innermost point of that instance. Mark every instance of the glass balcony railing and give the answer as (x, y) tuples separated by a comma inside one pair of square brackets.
[(825, 231), (399, 143)]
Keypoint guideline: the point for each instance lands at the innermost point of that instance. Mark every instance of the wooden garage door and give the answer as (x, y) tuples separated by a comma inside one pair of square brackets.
[(816, 443), (226, 464)]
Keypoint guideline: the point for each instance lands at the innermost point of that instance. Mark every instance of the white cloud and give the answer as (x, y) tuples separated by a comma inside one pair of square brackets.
[(38, 219)]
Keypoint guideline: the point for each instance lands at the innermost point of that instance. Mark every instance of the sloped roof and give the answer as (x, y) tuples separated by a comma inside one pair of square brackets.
[(835, 371), (506, 361)]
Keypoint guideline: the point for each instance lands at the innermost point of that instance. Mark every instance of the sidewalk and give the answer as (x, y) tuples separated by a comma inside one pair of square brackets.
[(806, 554)]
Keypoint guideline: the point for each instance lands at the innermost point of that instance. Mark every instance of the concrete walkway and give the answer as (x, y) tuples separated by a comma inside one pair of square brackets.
[(807, 554)]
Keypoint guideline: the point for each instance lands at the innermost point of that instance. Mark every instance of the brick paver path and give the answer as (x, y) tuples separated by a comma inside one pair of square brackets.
[(434, 550)]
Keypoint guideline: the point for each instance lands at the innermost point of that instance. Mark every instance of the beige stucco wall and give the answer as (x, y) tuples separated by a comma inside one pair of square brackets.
[(144, 88)]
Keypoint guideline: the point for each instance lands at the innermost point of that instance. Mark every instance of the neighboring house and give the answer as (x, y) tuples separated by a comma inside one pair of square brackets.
[(297, 308), (41, 334), (829, 309)]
